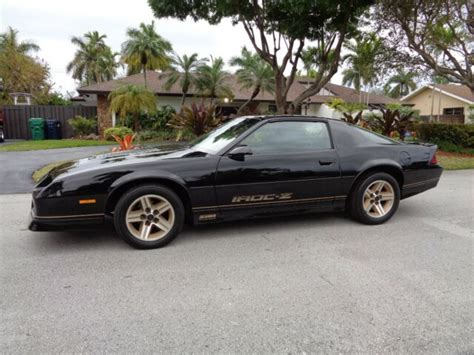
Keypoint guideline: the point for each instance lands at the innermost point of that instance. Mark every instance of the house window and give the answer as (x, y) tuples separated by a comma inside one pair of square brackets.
[(453, 111), (272, 108)]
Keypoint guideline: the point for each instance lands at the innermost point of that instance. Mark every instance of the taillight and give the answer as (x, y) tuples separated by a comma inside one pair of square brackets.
[(433, 160)]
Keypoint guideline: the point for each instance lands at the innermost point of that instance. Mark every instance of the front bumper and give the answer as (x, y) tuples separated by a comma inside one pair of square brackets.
[(57, 223)]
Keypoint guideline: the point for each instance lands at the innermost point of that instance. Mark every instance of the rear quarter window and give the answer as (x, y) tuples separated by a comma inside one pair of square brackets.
[(366, 136)]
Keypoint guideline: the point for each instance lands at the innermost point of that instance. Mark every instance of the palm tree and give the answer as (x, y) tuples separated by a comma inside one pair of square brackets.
[(364, 59), (9, 40), (145, 50), (134, 100), (400, 84), (211, 80), (93, 61), (309, 57), (183, 70), (253, 73)]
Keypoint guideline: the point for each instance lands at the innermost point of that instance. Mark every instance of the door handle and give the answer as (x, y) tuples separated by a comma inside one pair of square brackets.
[(326, 161)]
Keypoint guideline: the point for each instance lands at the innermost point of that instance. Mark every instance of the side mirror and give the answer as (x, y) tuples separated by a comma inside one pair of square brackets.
[(239, 153)]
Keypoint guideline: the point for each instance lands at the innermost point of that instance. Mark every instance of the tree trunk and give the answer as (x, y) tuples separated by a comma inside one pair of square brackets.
[(144, 75), (254, 94), (280, 97), (183, 98), (136, 122)]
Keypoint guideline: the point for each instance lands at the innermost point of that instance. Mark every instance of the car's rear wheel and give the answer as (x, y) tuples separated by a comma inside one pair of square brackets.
[(375, 198), (149, 216)]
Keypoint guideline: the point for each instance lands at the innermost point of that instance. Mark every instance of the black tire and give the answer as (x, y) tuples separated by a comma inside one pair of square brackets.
[(356, 208), (130, 197)]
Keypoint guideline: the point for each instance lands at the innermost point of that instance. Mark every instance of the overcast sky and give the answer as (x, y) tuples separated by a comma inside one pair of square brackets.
[(52, 23)]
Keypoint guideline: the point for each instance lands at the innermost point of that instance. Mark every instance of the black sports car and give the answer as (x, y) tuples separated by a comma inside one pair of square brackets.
[(248, 167)]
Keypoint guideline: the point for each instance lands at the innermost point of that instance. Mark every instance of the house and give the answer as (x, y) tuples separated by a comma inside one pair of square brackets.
[(449, 103), (264, 102)]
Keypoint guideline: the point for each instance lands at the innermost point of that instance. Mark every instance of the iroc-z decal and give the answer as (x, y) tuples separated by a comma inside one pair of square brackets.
[(260, 198)]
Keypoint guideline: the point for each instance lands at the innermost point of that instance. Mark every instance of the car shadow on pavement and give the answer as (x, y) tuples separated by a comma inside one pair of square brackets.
[(105, 237), (102, 237), (262, 225)]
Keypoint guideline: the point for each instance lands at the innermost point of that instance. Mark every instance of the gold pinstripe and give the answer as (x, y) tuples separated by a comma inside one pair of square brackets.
[(272, 202), (420, 182)]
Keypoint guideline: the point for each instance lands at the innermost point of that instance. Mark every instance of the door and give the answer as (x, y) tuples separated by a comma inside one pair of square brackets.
[(286, 165)]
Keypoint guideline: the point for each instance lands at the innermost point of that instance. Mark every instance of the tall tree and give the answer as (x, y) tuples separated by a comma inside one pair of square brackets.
[(211, 80), (94, 60), (134, 100), (145, 50), (435, 34), (253, 73), (310, 58), (19, 71), (278, 31), (183, 71), (400, 84), (9, 41), (366, 53)]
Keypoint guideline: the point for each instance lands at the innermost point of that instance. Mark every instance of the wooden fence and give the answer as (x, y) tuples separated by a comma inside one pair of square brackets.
[(15, 118)]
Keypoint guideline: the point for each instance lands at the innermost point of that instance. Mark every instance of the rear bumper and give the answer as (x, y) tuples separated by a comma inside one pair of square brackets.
[(430, 181), (56, 223)]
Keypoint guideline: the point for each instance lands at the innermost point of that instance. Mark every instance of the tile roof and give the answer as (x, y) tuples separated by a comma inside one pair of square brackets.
[(457, 90), (155, 82)]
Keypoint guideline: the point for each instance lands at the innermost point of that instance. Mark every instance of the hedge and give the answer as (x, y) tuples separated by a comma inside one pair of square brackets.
[(461, 135), (116, 131)]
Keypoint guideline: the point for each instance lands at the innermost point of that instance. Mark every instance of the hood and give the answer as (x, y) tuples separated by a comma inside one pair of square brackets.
[(119, 159)]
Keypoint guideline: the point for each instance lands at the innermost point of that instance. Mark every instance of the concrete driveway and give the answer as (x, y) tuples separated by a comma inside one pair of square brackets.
[(315, 283), (16, 168)]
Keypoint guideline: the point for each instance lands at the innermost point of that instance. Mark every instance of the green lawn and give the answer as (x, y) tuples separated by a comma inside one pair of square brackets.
[(38, 174), (51, 144), (451, 162)]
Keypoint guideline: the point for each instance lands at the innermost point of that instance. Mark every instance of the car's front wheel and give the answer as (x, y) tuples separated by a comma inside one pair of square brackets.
[(149, 216), (375, 198)]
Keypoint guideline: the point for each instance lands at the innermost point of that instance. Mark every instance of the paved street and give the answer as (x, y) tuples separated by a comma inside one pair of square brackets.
[(16, 168), (317, 283)]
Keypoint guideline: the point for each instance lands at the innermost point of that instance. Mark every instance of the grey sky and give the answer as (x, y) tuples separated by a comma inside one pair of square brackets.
[(52, 23)]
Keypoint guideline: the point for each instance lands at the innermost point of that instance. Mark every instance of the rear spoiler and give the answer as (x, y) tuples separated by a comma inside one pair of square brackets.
[(425, 144)]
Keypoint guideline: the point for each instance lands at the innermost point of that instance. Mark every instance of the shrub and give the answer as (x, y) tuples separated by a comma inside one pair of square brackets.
[(164, 135), (351, 111), (82, 126), (121, 132), (125, 143), (162, 117), (442, 134), (196, 119), (392, 118), (149, 134), (154, 121)]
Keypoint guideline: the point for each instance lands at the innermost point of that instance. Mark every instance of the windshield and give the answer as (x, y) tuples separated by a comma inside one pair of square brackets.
[(217, 139)]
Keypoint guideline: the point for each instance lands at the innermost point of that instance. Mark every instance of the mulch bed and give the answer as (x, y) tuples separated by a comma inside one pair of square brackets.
[(454, 155)]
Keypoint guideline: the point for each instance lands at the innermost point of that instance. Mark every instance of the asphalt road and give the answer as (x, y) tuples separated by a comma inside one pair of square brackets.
[(316, 283), (16, 168)]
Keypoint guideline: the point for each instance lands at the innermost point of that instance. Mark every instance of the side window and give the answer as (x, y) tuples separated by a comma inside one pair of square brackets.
[(289, 137)]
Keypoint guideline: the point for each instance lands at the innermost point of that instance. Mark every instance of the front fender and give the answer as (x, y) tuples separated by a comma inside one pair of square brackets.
[(145, 175)]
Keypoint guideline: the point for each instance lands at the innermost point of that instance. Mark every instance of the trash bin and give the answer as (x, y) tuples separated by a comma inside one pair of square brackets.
[(36, 128), (53, 129)]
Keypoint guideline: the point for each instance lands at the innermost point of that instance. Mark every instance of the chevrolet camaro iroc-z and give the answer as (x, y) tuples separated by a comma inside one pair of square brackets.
[(248, 167)]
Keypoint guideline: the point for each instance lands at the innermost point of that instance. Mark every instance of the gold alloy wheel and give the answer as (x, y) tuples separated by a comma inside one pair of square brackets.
[(378, 199), (150, 217)]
